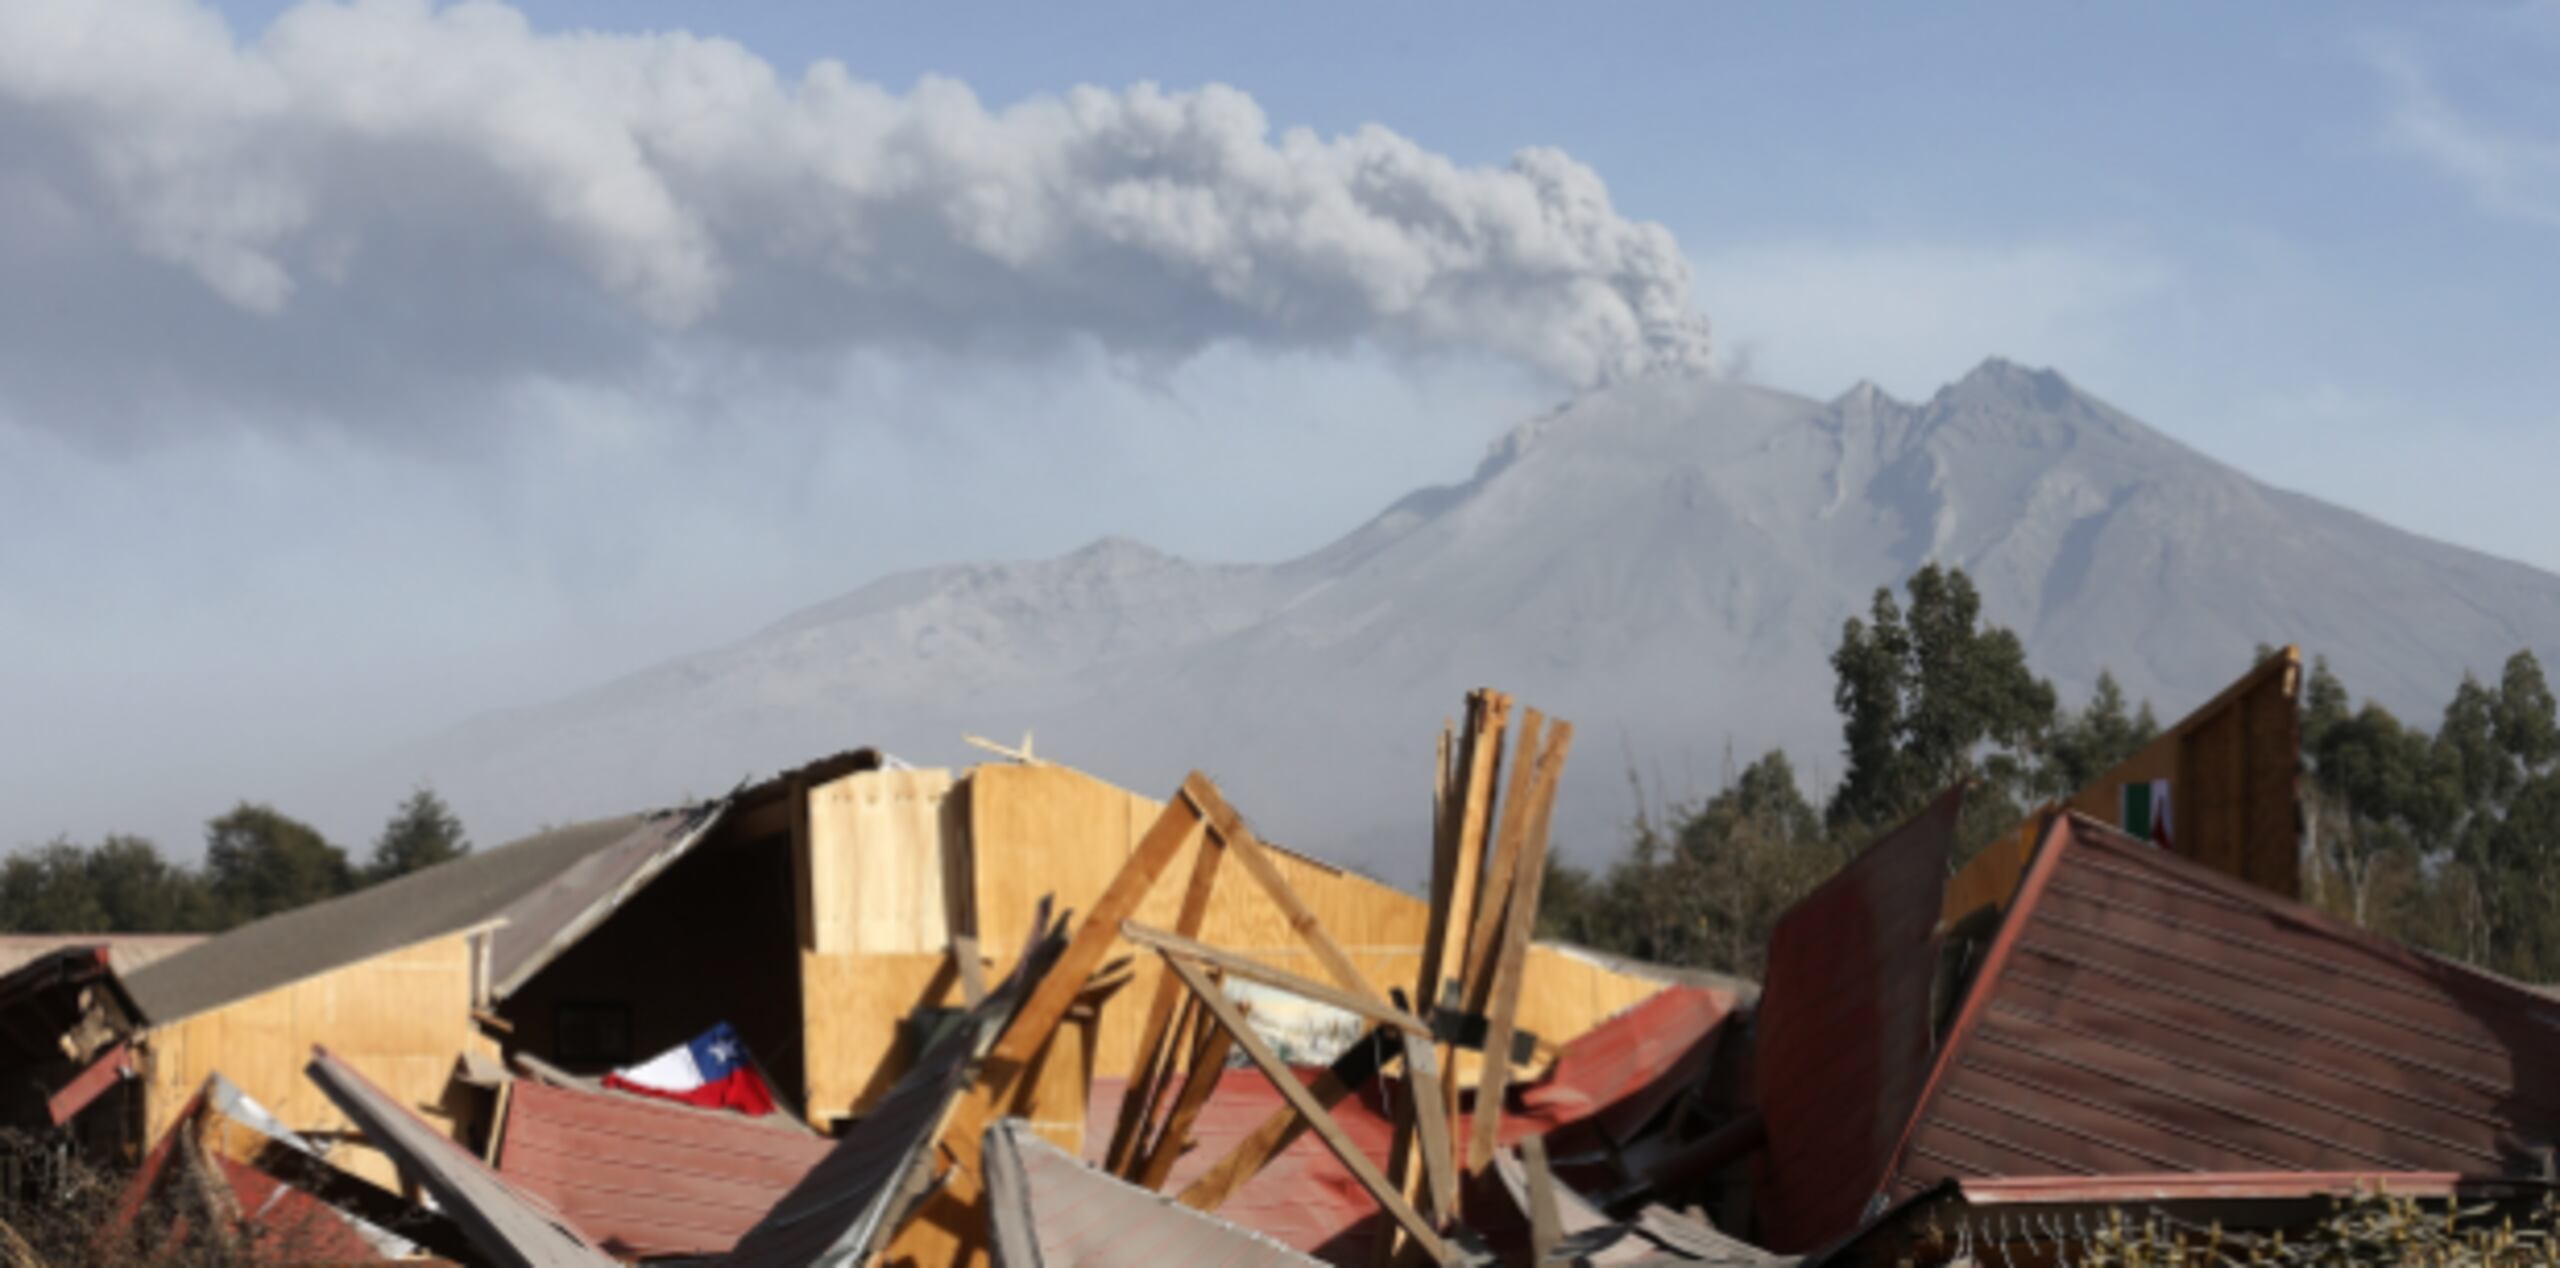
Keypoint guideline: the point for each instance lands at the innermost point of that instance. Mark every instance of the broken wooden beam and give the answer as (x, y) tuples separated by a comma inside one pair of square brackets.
[(1285, 1081), (1252, 970)]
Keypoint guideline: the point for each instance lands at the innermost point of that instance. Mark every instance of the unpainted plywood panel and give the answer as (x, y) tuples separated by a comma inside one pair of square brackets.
[(878, 857), (853, 1006), (1054, 1098), (403, 1018), (1035, 831)]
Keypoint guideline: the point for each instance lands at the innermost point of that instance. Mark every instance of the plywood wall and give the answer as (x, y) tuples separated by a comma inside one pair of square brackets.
[(878, 863), (403, 1018), (2231, 767), (1036, 831)]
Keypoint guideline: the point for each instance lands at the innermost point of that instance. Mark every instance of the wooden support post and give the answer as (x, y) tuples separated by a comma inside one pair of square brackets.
[(1463, 782), (1546, 1227), (1479, 756), (1153, 1052), (1431, 1126), (1512, 960), (1493, 907), (1327, 1130), (1474, 813), (1350, 1071)]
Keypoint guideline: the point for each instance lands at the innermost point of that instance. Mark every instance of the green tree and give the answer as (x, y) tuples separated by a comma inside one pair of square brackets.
[(1741, 860), (2528, 718), (1928, 698), (48, 890), (260, 862), (142, 892), (2089, 743), (422, 833)]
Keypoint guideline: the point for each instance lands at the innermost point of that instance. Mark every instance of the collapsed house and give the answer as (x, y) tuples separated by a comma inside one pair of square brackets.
[(829, 916), (1207, 1046)]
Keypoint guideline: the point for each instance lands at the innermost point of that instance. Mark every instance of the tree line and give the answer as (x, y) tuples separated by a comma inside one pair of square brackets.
[(257, 861), (2447, 839)]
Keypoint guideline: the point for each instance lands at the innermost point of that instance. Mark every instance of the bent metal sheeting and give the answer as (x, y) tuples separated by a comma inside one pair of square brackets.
[(1846, 1030), (2139, 1012), (506, 1225)]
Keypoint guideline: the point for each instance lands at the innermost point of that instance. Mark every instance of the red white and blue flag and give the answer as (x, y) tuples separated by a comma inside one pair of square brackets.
[(713, 1071)]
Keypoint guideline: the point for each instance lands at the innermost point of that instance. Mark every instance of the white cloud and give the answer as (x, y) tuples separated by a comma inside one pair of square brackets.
[(2506, 174), (387, 202), (1818, 316)]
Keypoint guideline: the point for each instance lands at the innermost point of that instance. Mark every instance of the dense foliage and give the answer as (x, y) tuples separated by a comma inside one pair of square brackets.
[(2449, 840), (257, 861)]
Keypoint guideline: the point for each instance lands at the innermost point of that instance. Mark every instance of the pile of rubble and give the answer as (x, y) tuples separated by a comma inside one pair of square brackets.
[(1188, 1045)]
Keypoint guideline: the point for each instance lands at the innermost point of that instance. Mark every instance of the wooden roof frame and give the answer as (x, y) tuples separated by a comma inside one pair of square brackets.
[(1197, 807)]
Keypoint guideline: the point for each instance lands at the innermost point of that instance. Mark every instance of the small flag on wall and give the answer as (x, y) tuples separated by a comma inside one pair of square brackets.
[(2146, 810)]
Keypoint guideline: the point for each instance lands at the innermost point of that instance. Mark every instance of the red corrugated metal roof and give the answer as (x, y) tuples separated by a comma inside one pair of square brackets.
[(288, 1225), (2139, 1013), (1619, 1073), (639, 1178), (1846, 1030)]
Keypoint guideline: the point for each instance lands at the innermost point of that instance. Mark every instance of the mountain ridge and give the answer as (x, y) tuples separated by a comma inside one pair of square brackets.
[(1666, 562)]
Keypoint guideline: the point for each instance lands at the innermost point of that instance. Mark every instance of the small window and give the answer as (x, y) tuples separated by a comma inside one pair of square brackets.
[(593, 1034)]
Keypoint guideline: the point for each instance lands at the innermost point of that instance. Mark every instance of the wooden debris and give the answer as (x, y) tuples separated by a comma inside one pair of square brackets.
[(1327, 1130)]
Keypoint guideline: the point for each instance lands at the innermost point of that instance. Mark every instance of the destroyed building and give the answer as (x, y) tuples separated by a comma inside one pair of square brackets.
[(1017, 1015)]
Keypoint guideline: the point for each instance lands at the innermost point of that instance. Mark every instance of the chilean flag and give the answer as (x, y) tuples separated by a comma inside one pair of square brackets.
[(713, 1071)]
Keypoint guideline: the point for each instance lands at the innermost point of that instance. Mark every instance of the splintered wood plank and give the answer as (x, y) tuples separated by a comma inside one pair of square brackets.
[(1489, 714), (1330, 1132), (1492, 907), (1153, 1051), (1504, 1001), (1479, 756), (1253, 970), (1208, 1063), (957, 1208), (1444, 848), (1431, 1126), (1230, 827), (1350, 1071)]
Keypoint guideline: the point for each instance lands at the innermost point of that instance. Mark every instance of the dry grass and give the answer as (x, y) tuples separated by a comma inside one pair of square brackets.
[(63, 1212), (2370, 1228)]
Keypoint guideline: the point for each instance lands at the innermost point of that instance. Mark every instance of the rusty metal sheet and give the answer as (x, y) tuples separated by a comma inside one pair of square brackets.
[(1846, 1030), (643, 1179), (2141, 1014)]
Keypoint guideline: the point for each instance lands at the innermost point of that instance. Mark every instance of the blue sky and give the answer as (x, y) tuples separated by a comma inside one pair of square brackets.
[(2320, 243), (2205, 212)]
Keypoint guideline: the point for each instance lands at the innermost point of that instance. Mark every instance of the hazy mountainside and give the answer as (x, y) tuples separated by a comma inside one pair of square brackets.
[(1666, 563)]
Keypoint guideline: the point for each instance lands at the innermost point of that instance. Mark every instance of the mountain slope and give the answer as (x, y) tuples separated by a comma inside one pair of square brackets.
[(1666, 563)]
